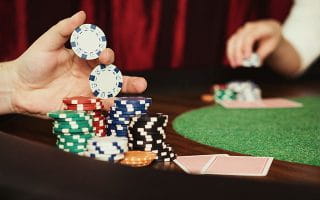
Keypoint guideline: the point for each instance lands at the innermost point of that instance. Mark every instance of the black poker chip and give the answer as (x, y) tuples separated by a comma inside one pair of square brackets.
[(137, 136)]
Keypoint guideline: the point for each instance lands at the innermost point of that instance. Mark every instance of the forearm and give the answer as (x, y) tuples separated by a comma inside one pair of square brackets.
[(7, 80), (285, 59)]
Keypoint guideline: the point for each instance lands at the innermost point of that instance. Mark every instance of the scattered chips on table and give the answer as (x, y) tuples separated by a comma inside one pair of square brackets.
[(237, 91)]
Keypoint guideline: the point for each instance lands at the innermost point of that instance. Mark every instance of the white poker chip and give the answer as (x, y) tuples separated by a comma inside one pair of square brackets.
[(88, 41), (252, 61), (105, 81)]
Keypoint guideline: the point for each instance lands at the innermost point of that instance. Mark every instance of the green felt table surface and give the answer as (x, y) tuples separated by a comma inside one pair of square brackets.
[(285, 134)]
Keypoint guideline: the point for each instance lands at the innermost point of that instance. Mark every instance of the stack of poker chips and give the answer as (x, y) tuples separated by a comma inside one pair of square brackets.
[(107, 148), (123, 109), (245, 90), (93, 107), (146, 133), (237, 90), (73, 129)]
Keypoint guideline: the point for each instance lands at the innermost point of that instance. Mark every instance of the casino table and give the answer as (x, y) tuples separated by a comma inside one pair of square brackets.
[(177, 100)]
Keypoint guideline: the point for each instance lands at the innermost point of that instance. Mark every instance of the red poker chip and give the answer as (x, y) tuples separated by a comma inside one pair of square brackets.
[(101, 135), (99, 125), (99, 122), (97, 129), (81, 100), (85, 105), (97, 119), (83, 108)]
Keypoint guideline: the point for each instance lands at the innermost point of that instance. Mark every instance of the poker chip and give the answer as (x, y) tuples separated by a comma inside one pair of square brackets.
[(84, 108), (138, 158), (81, 100), (88, 41), (71, 126), (252, 61), (68, 130), (133, 100), (74, 119), (61, 114), (105, 81)]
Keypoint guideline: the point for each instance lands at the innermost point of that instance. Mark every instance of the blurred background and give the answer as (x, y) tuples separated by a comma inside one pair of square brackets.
[(167, 41)]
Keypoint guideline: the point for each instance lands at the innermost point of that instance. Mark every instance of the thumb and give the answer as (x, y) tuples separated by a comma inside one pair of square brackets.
[(59, 34)]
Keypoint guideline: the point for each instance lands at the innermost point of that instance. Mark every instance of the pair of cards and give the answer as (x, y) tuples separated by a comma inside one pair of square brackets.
[(223, 164), (263, 103)]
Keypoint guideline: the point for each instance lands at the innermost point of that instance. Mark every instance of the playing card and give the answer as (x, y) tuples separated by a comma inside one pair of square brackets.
[(264, 103), (195, 163), (238, 165)]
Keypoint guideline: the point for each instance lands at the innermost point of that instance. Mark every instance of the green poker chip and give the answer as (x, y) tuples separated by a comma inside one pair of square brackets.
[(68, 123), (74, 119), (226, 94), (75, 136), (71, 146), (76, 151), (72, 141), (62, 114), (68, 130), (71, 126)]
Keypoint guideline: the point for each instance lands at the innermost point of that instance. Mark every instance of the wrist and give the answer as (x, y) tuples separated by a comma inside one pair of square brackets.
[(8, 79)]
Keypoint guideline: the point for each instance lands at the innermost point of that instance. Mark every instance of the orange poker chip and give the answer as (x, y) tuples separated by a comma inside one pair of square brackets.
[(138, 158)]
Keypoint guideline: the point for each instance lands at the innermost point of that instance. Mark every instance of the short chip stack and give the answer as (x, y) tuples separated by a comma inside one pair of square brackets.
[(73, 129), (138, 158), (146, 133), (124, 108), (107, 148), (93, 106)]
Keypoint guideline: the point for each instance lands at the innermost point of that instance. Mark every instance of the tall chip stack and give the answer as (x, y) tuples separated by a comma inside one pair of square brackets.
[(147, 133), (93, 107), (73, 129), (120, 114)]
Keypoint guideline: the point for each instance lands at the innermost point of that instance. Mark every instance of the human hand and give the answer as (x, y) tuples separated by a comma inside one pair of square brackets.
[(48, 72), (266, 34)]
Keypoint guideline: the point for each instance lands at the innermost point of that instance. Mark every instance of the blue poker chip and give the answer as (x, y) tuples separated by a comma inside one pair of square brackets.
[(120, 113), (114, 122), (129, 109), (88, 41), (135, 101), (112, 130), (118, 127), (105, 81)]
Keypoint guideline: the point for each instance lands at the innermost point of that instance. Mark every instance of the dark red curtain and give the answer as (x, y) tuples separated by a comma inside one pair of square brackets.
[(144, 34)]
